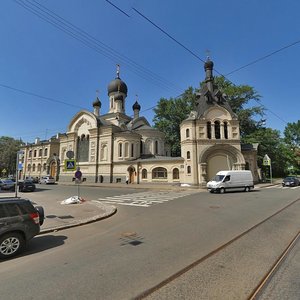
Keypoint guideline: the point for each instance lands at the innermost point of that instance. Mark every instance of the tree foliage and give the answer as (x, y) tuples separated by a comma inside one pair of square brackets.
[(169, 113), (8, 155)]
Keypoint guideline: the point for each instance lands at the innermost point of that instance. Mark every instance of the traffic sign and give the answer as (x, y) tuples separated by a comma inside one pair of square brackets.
[(70, 164), (267, 160)]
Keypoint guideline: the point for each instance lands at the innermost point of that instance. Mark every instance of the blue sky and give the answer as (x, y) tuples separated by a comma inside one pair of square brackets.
[(38, 58)]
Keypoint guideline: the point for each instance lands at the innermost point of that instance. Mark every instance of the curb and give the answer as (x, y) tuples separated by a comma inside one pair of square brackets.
[(93, 219)]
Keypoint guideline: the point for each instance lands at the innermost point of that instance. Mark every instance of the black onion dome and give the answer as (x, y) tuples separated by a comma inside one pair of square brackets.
[(136, 106), (117, 85), (208, 65), (97, 102)]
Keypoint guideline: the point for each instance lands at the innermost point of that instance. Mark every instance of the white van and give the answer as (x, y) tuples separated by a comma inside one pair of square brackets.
[(231, 181)]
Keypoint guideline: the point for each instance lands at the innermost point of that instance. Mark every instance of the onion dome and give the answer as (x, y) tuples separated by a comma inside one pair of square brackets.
[(97, 103), (136, 106), (117, 85)]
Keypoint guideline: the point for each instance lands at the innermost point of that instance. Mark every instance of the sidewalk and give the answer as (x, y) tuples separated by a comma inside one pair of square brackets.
[(61, 216)]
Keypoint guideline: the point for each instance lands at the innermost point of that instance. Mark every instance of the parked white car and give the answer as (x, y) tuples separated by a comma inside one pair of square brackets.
[(47, 180)]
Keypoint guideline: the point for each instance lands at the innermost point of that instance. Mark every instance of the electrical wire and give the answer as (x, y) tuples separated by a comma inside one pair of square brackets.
[(82, 36)]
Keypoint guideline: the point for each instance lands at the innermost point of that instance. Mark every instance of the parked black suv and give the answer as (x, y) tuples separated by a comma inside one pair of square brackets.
[(20, 221)]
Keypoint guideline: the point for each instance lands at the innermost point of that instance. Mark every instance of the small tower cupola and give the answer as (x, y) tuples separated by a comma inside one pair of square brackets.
[(209, 79), (97, 106), (136, 109)]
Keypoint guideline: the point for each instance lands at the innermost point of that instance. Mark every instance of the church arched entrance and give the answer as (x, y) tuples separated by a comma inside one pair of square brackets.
[(131, 174), (53, 169), (217, 163)]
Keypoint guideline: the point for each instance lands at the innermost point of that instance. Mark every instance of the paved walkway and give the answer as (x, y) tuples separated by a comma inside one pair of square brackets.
[(59, 216)]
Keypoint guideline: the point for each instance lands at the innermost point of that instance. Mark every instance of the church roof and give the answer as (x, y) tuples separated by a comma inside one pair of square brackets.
[(209, 95)]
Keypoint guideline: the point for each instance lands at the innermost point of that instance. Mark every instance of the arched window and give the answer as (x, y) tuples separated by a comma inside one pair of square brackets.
[(132, 150), (217, 130), (39, 167), (46, 152), (187, 133), (188, 155), (120, 150), (159, 173), (40, 152), (144, 174), (225, 130), (208, 128), (83, 144), (30, 153), (189, 169), (33, 168), (34, 153), (29, 168), (175, 173), (156, 147), (44, 167)]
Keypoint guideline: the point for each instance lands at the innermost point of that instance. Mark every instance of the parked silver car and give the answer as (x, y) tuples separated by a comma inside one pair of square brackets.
[(47, 180)]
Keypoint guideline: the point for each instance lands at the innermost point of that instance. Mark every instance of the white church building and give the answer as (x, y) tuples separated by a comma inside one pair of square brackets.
[(110, 147)]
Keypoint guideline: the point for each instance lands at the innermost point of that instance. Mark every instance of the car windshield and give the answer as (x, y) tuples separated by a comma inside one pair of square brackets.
[(7, 181), (289, 179), (218, 178)]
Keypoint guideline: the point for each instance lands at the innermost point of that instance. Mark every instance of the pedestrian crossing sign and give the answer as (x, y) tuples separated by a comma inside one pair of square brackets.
[(70, 164)]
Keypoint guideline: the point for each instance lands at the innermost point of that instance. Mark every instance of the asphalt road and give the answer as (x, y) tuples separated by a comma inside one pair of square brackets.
[(139, 247)]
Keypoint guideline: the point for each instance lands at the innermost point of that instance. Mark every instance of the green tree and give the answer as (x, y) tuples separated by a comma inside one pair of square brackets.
[(292, 140), (169, 113), (271, 143), (8, 154)]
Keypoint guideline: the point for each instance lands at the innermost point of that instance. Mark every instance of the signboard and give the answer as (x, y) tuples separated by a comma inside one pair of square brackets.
[(70, 164), (266, 160)]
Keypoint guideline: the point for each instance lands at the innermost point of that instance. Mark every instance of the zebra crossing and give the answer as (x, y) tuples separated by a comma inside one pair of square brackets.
[(283, 187), (144, 199)]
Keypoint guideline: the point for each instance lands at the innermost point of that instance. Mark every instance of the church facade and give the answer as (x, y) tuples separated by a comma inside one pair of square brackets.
[(113, 147)]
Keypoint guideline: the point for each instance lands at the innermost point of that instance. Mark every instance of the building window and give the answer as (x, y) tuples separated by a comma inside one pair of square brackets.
[(187, 133), (189, 169), (208, 128), (33, 168), (83, 144), (225, 130), (217, 130), (175, 173), (141, 147), (46, 152), (132, 150), (159, 173), (156, 147), (34, 153), (30, 153), (44, 167), (120, 150), (29, 168), (144, 174), (188, 155), (39, 167), (40, 152)]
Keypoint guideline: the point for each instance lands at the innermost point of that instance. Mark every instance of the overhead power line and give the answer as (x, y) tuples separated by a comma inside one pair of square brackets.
[(88, 40), (118, 8), (192, 53)]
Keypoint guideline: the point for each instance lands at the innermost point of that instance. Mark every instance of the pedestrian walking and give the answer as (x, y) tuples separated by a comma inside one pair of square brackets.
[(127, 179)]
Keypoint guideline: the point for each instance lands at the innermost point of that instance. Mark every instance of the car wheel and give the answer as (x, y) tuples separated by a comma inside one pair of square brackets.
[(247, 189), (222, 190), (11, 244), (40, 209)]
